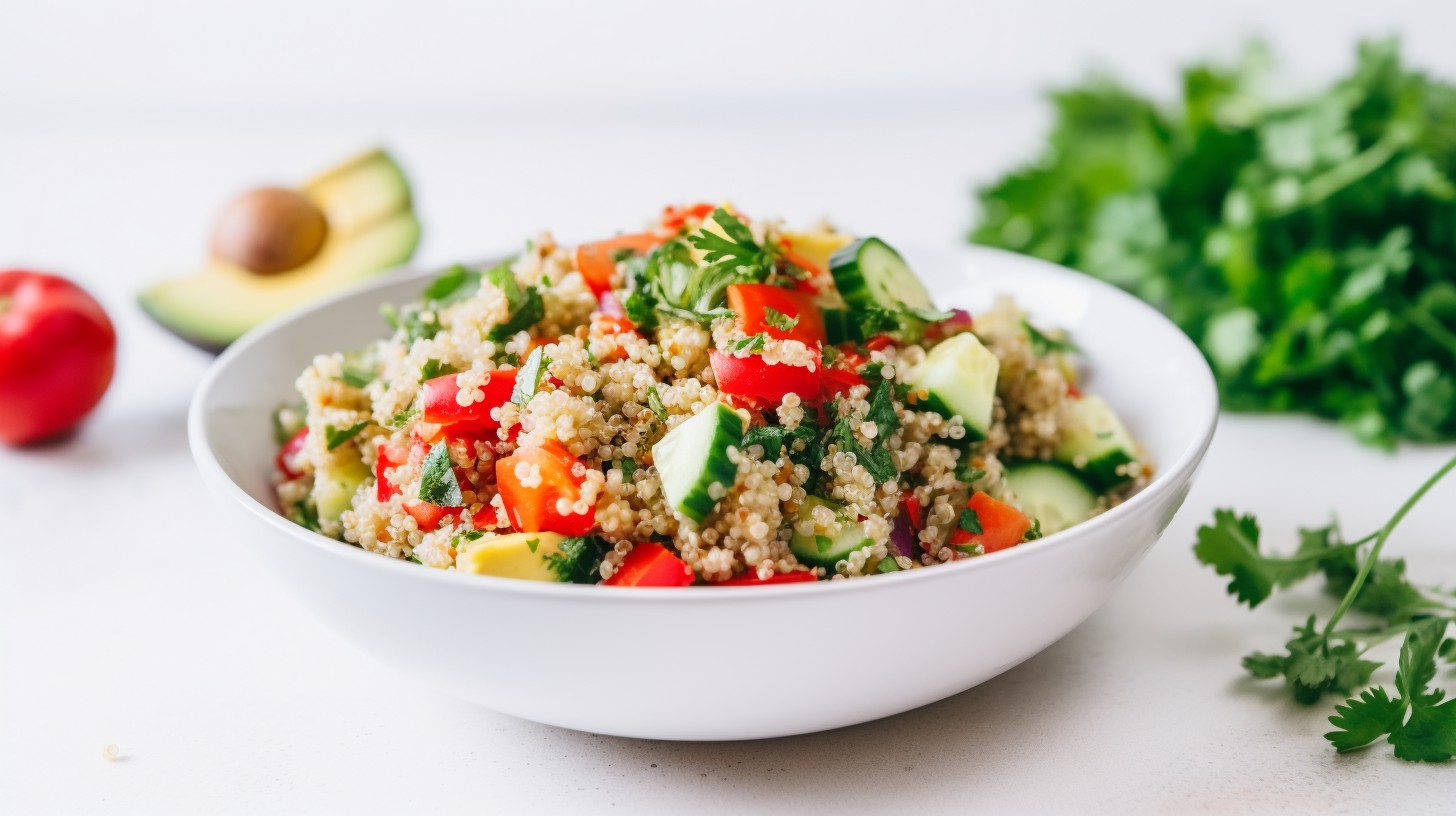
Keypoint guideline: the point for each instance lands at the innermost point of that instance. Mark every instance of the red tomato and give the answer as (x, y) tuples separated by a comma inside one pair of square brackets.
[(290, 450), (533, 509), (390, 456), (752, 579), (442, 407), (749, 300), (57, 355), (429, 516), (1002, 525), (651, 565), (879, 342), (914, 512), (836, 381), (761, 383), (597, 262)]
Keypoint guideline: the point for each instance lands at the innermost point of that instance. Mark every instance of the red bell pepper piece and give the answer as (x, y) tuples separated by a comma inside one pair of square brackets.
[(389, 456), (443, 408), (879, 342), (752, 579), (651, 565), (674, 218), (762, 383), (532, 508), (914, 511), (597, 261), (1002, 526), (290, 450), (836, 381), (749, 300)]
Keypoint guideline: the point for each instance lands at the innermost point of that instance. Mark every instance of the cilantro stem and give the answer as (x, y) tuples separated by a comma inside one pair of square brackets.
[(1380, 539)]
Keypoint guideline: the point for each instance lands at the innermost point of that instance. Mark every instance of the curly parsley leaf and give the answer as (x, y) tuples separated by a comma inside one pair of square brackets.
[(970, 521), (778, 319), (438, 484)]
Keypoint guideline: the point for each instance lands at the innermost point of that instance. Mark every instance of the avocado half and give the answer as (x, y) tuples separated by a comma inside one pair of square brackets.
[(371, 227)]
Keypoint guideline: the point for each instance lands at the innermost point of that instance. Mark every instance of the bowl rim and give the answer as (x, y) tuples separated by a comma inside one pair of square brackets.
[(1167, 478)]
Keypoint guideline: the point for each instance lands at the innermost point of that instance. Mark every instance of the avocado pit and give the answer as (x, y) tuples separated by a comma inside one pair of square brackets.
[(269, 231)]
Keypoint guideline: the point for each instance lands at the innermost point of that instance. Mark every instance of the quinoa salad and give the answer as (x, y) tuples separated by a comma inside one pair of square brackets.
[(715, 400)]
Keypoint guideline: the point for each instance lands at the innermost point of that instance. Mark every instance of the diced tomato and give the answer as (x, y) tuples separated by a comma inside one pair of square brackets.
[(836, 381), (289, 452), (752, 579), (1073, 391), (761, 383), (749, 300), (597, 262), (390, 456), (914, 512), (443, 408), (879, 342), (1002, 525), (533, 509), (430, 516), (674, 217), (651, 565), (959, 319)]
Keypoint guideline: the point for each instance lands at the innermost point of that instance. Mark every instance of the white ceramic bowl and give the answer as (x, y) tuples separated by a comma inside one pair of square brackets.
[(723, 663)]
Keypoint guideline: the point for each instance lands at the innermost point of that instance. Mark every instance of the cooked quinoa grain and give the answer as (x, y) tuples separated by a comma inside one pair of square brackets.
[(713, 399)]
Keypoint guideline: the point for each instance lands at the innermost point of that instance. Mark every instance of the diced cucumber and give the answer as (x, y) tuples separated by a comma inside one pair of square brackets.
[(693, 457), (1051, 494), (821, 549), (1096, 444), (869, 274), (334, 487), (960, 377)]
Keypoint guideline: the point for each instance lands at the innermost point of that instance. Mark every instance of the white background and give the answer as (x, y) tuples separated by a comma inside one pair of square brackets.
[(126, 617)]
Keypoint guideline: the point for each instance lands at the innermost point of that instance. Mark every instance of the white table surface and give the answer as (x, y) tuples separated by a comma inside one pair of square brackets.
[(128, 618)]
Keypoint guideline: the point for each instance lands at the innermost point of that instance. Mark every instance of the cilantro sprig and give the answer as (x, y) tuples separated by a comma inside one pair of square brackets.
[(1294, 240), (1326, 659)]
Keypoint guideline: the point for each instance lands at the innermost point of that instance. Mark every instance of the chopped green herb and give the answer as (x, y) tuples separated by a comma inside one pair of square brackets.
[(398, 420), (528, 378), (823, 542), (628, 467), (888, 564), (434, 368), (968, 474), (751, 343), (438, 484), (413, 559), (578, 560), (357, 377), (970, 521), (457, 282), (778, 319), (532, 544), (654, 403), (525, 304), (876, 458), (1034, 532), (305, 514), (334, 437), (1043, 344)]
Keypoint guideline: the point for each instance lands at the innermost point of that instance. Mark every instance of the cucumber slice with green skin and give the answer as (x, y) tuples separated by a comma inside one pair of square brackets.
[(840, 327), (334, 487), (1096, 444), (869, 274), (960, 377), (821, 550), (693, 457), (1052, 494)]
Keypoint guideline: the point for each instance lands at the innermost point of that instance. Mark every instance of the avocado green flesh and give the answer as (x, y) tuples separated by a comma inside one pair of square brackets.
[(371, 228)]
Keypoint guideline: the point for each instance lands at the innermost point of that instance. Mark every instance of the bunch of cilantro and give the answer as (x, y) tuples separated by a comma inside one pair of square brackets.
[(1309, 247), (1418, 722)]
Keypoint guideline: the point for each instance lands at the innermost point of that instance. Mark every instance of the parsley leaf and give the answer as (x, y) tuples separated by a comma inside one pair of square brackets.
[(356, 377), (525, 304), (970, 521), (1231, 546), (528, 377), (404, 416), (1043, 344), (578, 560), (438, 484), (654, 403), (778, 319), (434, 368), (455, 283), (334, 437), (752, 343)]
